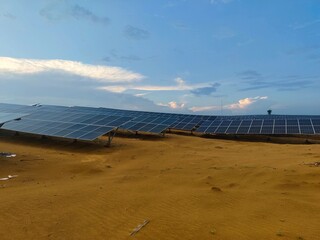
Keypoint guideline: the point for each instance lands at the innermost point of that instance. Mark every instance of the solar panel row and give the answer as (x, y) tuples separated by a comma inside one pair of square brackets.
[(15, 108), (262, 117), (6, 117), (85, 118), (154, 122), (145, 127), (266, 126), (58, 129)]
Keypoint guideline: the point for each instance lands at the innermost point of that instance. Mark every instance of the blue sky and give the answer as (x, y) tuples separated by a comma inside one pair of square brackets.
[(191, 56)]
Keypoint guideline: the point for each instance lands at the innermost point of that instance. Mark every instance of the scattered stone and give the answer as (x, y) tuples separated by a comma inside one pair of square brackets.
[(213, 231), (231, 185), (314, 164), (216, 189), (139, 227), (280, 234)]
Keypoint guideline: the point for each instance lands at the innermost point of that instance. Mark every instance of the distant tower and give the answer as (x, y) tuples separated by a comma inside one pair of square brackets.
[(269, 112)]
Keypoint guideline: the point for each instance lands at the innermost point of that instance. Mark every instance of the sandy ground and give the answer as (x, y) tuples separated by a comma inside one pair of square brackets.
[(188, 187)]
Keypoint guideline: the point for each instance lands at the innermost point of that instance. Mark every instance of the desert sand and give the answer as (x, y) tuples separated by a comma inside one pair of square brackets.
[(187, 187)]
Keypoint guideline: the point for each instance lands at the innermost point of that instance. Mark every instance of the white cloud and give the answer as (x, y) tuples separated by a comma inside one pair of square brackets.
[(180, 86), (244, 103), (173, 105), (205, 108), (140, 94), (99, 73), (241, 104), (299, 26), (220, 1), (116, 89)]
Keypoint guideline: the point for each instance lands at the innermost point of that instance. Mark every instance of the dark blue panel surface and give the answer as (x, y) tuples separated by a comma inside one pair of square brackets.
[(243, 130), (305, 122), (266, 130), (254, 130), (306, 129), (221, 130), (293, 129), (232, 130), (279, 130)]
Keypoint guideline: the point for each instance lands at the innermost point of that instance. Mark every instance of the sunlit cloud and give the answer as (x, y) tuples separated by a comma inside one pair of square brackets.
[(141, 94), (240, 105), (205, 108), (100, 73), (173, 105), (244, 103), (180, 85)]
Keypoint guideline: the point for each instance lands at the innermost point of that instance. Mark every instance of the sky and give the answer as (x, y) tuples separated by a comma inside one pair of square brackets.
[(214, 57)]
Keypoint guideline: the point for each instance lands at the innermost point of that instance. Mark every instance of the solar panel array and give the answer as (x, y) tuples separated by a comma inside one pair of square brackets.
[(6, 117), (139, 120), (9, 112), (59, 122), (145, 127), (88, 123), (305, 126), (16, 108), (76, 117), (58, 129)]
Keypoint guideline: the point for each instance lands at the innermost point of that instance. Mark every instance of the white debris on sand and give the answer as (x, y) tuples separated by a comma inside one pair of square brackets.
[(7, 154), (8, 178)]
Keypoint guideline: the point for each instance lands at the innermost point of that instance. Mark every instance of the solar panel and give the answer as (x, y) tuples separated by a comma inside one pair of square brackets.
[(235, 123), (266, 129), (58, 129), (305, 122), (316, 122), (279, 129), (292, 122), (246, 123), (254, 130), (145, 127), (316, 129), (187, 122), (225, 123), (279, 122), (5, 117), (16, 108), (85, 118), (221, 130), (232, 130), (268, 122), (68, 121), (211, 129), (216, 123), (243, 130), (293, 129), (306, 129), (256, 123)]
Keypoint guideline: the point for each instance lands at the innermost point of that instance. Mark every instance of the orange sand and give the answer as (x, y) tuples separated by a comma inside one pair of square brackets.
[(188, 187)]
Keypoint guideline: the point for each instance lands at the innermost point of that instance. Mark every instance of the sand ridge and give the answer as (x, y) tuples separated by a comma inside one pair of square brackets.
[(188, 187)]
